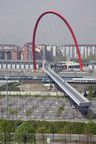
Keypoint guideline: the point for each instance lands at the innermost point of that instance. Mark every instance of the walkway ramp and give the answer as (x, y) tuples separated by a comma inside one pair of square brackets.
[(79, 99)]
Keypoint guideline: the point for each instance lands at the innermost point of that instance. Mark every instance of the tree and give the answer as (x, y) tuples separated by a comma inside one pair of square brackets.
[(78, 128), (2, 111), (59, 57), (53, 128), (25, 133), (90, 95), (41, 131), (64, 131), (92, 57), (6, 129), (67, 130), (60, 110), (89, 131), (75, 60), (12, 112)]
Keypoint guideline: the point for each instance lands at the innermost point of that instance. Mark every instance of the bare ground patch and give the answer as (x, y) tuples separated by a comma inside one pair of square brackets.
[(33, 87)]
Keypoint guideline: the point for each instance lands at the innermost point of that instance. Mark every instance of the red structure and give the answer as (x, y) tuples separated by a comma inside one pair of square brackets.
[(69, 27)]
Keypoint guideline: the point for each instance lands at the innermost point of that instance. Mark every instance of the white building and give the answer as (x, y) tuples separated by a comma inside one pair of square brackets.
[(70, 50), (54, 48), (92, 65), (85, 50)]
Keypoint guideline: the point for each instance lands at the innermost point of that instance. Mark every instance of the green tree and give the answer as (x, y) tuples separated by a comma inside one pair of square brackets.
[(89, 131), (6, 130), (60, 110), (90, 95), (64, 131), (53, 129), (12, 112), (25, 133), (75, 60), (78, 128), (92, 57), (28, 113), (67, 129), (41, 131), (2, 111), (59, 57)]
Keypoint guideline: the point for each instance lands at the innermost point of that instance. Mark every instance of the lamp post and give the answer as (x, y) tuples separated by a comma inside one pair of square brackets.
[(6, 81), (43, 57)]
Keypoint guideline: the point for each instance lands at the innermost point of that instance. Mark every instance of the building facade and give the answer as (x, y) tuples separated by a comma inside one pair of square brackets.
[(42, 52), (19, 65), (85, 50), (10, 52), (26, 53)]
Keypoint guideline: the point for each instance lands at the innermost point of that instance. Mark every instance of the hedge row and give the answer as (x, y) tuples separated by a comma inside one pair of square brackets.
[(48, 127)]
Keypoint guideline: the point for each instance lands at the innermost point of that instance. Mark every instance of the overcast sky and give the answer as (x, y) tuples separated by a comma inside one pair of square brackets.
[(18, 17)]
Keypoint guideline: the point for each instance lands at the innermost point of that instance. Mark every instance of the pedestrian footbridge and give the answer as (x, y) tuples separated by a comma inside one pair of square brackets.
[(79, 99)]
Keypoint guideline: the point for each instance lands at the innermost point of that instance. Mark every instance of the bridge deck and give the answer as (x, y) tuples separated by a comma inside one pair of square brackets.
[(79, 99)]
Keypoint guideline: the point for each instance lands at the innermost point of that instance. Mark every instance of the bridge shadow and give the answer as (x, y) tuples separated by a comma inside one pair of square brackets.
[(90, 114), (86, 112)]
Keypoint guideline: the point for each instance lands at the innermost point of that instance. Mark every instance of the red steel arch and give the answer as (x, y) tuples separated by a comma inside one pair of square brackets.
[(65, 21)]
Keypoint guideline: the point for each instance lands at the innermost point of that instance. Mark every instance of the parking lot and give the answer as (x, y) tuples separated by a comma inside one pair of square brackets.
[(37, 108)]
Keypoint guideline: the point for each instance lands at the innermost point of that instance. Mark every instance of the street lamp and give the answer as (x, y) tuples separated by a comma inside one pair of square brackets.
[(6, 80)]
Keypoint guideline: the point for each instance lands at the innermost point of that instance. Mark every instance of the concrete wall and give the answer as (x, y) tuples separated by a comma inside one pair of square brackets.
[(32, 93)]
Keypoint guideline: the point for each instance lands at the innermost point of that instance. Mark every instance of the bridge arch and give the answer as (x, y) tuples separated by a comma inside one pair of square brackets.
[(69, 27)]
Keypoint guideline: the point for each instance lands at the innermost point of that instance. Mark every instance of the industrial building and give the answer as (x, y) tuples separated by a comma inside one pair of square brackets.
[(19, 64)]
